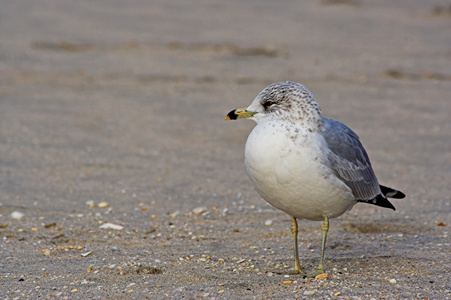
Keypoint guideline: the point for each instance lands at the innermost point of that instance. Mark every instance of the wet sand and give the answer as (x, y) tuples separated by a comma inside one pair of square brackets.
[(123, 103)]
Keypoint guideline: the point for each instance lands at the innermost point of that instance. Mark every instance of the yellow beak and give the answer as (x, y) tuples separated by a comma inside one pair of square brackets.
[(239, 113)]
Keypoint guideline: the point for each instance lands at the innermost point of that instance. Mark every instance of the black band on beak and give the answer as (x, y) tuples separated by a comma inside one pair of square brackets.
[(232, 115)]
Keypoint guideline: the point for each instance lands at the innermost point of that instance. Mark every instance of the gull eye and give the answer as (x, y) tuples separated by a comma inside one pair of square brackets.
[(268, 103)]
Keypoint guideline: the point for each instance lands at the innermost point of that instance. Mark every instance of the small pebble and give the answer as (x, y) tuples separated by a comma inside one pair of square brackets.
[(309, 293), (174, 214), (74, 291), (111, 226), (103, 204), (199, 210), (392, 281), (268, 222), (17, 215), (86, 254)]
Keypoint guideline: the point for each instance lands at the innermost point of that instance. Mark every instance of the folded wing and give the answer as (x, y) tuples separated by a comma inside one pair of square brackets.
[(350, 163)]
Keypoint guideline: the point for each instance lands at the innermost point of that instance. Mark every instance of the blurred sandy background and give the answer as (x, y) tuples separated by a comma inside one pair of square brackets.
[(123, 103)]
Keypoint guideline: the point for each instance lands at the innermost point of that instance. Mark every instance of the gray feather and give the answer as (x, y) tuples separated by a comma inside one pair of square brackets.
[(349, 160)]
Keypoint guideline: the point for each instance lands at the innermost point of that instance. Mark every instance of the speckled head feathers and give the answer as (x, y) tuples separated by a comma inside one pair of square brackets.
[(287, 101)]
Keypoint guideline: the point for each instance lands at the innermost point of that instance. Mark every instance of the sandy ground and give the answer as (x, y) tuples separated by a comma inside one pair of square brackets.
[(123, 102)]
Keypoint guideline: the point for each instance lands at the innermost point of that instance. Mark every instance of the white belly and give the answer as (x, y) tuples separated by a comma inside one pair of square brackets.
[(286, 169)]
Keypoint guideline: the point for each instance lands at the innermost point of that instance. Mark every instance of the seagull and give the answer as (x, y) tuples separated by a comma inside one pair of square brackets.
[(308, 166)]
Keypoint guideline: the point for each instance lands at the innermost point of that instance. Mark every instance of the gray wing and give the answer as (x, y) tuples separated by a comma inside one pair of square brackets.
[(349, 160)]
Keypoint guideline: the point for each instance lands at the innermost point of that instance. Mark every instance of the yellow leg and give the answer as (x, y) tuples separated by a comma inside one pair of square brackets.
[(294, 232), (320, 269)]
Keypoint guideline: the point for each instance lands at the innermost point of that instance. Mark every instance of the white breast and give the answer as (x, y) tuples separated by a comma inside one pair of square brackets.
[(286, 166)]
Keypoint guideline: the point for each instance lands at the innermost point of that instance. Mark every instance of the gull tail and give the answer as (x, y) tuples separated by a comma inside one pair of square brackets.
[(381, 199)]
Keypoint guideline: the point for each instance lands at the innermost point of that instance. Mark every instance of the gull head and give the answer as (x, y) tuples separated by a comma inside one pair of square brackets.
[(282, 101)]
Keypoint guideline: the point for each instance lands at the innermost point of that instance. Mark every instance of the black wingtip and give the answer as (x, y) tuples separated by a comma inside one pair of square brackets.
[(391, 193), (232, 115), (381, 201)]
